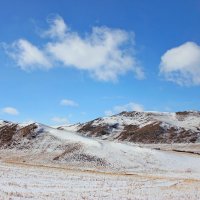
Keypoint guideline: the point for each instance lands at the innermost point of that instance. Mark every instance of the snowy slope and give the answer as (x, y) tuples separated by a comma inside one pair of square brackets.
[(40, 144), (144, 127)]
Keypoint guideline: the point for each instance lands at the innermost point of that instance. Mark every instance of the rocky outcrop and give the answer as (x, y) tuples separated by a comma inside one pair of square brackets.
[(11, 134)]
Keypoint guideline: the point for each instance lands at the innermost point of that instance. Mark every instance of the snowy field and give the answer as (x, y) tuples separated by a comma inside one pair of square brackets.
[(48, 163), (23, 181)]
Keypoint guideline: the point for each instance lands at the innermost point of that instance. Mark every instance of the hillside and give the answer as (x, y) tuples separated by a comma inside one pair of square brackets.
[(144, 127), (40, 144), (38, 161)]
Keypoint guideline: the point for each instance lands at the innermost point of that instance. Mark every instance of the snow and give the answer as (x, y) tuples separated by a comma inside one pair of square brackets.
[(180, 122), (69, 136), (127, 158), (2, 122), (188, 122), (71, 127), (129, 171), (139, 120), (143, 118), (20, 181)]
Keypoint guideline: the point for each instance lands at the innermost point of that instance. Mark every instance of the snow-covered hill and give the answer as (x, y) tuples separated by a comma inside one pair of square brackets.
[(144, 127), (40, 144)]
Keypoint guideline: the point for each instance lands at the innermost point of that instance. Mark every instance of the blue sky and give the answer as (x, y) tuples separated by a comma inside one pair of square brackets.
[(71, 61)]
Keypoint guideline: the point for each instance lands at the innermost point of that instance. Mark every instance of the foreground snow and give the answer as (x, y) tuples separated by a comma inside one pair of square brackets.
[(46, 163), (21, 181)]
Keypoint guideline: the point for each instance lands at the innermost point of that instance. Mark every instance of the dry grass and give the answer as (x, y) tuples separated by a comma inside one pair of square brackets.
[(22, 181)]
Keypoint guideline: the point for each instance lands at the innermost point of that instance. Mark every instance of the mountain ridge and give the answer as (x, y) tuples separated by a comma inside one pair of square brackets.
[(143, 127), (43, 145)]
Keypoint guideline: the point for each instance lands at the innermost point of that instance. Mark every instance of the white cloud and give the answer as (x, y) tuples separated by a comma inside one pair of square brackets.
[(60, 120), (182, 64), (101, 53), (105, 53), (57, 28), (10, 111), (68, 102), (27, 56), (127, 107)]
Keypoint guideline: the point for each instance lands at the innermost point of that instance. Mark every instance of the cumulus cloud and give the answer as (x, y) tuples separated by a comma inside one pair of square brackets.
[(68, 102), (10, 111), (182, 64), (27, 56), (127, 107), (60, 120), (57, 28), (105, 53)]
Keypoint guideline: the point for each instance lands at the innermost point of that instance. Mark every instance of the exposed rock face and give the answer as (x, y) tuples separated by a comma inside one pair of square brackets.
[(145, 127), (155, 133), (11, 134), (99, 130)]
